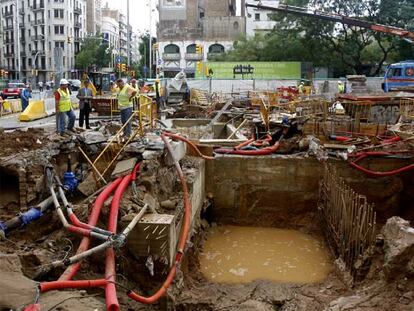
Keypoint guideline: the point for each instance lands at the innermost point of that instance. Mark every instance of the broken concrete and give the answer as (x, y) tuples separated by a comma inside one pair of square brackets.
[(399, 247)]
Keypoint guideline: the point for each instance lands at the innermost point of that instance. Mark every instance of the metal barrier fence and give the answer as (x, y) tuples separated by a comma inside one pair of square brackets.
[(349, 221), (407, 108)]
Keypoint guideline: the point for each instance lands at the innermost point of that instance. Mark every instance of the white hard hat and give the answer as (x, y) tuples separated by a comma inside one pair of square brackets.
[(339, 82), (63, 82)]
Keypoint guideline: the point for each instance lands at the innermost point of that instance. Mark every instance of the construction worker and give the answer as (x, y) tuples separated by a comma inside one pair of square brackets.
[(157, 87), (64, 107), (114, 88), (301, 88), (25, 96), (85, 96), (341, 87), (125, 95), (135, 86)]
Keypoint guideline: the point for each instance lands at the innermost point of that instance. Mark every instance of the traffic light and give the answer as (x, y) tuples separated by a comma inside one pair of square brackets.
[(123, 67), (206, 71), (155, 46), (199, 67), (118, 66), (199, 49), (69, 40)]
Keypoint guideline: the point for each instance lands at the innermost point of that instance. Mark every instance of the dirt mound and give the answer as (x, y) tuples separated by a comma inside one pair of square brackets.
[(18, 141)]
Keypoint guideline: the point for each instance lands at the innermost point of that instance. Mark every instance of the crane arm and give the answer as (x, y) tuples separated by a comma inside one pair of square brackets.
[(409, 36)]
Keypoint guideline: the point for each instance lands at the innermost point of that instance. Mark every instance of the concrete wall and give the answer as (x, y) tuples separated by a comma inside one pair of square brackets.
[(282, 191)]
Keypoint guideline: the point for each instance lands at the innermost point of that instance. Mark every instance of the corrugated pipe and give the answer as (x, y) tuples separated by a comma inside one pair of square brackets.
[(363, 155), (183, 236), (71, 271), (175, 136)]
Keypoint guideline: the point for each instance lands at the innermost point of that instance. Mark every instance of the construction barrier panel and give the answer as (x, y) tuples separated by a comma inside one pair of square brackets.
[(35, 110)]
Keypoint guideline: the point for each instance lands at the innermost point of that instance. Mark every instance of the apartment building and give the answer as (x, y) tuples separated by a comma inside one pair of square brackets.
[(41, 37), (115, 31), (183, 24), (93, 17), (259, 21)]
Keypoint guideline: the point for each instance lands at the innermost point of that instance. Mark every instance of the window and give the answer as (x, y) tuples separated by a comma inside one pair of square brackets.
[(171, 49), (59, 30), (396, 72), (58, 13), (191, 49), (60, 44), (257, 17), (216, 48), (48, 14)]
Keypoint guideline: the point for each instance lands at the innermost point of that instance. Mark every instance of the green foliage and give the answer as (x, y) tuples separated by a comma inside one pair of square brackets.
[(94, 52), (342, 48)]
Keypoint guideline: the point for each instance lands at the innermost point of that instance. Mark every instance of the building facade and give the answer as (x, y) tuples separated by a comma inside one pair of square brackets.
[(183, 24), (93, 17), (259, 21), (39, 38)]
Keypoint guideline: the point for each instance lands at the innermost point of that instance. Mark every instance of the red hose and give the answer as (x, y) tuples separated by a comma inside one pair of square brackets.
[(93, 220), (183, 237), (175, 136), (263, 151), (110, 273), (391, 140), (375, 173), (243, 144), (48, 286)]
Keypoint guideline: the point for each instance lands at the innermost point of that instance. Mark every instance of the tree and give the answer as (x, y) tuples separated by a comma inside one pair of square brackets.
[(143, 48), (344, 49), (93, 52)]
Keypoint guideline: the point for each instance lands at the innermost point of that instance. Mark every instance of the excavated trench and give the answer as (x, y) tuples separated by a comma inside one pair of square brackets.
[(258, 241)]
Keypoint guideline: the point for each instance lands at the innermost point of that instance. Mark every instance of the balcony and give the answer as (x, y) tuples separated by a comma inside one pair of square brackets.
[(9, 41), (8, 13), (213, 55), (8, 54), (8, 27), (77, 39), (77, 10), (193, 56), (77, 25), (37, 8), (171, 56), (38, 52), (22, 54), (21, 25), (38, 22), (38, 37)]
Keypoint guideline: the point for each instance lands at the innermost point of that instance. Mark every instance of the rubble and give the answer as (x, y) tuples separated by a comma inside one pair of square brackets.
[(399, 248)]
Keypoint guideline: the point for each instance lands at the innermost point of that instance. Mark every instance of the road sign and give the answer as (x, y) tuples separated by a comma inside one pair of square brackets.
[(118, 59)]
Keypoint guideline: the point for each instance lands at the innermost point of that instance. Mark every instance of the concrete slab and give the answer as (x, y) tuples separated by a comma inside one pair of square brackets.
[(124, 167), (154, 235)]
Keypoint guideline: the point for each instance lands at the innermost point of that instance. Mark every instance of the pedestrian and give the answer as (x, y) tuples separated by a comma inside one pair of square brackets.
[(301, 88), (84, 95), (64, 107), (125, 95), (40, 83), (25, 96)]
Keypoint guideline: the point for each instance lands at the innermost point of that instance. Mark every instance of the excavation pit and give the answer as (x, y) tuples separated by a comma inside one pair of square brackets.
[(233, 254)]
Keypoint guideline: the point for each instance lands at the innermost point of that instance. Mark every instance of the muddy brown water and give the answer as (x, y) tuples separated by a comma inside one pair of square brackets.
[(234, 254)]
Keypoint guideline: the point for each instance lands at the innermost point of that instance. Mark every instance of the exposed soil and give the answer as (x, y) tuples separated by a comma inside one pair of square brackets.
[(19, 141)]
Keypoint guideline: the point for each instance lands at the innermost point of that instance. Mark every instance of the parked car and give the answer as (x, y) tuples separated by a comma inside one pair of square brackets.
[(13, 89), (74, 84)]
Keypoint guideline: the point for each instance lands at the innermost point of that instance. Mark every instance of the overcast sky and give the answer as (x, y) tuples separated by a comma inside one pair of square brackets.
[(139, 12)]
